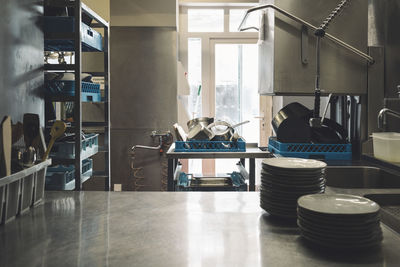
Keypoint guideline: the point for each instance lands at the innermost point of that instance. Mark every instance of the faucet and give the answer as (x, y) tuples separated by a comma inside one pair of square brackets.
[(163, 139), (382, 113)]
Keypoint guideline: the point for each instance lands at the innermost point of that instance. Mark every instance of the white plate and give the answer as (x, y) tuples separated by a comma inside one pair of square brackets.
[(294, 163), (338, 204), (293, 175)]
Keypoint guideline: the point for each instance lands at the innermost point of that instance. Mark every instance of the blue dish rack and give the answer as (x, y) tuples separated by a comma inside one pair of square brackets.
[(210, 146), (90, 91), (92, 40), (311, 151), (66, 150), (60, 177)]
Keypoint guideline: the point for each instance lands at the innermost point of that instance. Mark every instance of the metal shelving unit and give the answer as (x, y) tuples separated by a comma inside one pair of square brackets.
[(99, 23)]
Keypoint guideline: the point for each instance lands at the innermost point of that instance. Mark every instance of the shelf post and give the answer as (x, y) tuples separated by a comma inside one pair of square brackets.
[(78, 94)]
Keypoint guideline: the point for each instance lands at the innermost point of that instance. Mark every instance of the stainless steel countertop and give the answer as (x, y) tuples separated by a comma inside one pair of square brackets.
[(166, 229)]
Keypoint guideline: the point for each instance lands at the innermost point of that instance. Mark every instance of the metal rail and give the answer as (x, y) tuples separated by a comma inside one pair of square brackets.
[(301, 21)]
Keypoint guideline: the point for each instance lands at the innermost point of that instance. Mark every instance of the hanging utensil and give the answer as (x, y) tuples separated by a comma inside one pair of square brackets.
[(57, 130)]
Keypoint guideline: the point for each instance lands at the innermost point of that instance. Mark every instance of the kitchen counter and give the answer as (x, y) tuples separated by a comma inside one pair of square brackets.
[(167, 229)]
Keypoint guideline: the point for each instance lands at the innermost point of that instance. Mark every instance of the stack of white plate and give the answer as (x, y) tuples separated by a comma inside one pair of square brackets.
[(284, 180), (339, 221)]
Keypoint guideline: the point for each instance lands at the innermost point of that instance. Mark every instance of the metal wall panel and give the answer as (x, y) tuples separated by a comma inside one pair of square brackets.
[(384, 21), (144, 13), (341, 71), (143, 97), (21, 59)]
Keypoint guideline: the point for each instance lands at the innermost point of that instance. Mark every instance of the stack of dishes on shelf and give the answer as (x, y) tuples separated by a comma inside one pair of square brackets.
[(284, 180), (339, 221)]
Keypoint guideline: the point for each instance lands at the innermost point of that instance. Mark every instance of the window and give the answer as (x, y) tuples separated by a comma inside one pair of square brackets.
[(205, 20)]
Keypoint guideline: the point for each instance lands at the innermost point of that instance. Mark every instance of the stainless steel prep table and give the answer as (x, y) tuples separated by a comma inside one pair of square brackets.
[(166, 229), (251, 153)]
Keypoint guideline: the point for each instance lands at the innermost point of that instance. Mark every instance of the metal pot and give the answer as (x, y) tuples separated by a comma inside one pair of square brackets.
[(203, 121), (227, 134), (198, 129), (221, 135), (291, 124)]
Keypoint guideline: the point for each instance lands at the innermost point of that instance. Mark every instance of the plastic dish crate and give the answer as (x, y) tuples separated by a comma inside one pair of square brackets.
[(22, 190), (387, 146), (90, 91), (311, 151), (91, 39), (62, 177), (210, 146), (66, 150)]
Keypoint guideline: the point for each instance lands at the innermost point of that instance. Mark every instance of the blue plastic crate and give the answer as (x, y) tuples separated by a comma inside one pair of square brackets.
[(311, 151), (91, 39), (61, 177), (66, 150), (210, 146), (90, 91)]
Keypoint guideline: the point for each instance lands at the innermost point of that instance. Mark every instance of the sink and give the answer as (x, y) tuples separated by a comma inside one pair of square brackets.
[(369, 177), (361, 177), (390, 209)]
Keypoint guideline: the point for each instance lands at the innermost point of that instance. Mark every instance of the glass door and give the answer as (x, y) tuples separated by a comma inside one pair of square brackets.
[(234, 81)]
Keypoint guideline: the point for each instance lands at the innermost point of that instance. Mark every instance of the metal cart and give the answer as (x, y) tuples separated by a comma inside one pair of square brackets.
[(252, 152)]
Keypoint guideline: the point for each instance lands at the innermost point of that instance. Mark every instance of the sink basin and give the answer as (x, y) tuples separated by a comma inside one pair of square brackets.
[(390, 209), (385, 199), (361, 177)]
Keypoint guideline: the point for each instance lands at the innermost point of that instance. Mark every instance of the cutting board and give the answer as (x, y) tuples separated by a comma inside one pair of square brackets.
[(31, 128), (33, 134), (5, 146)]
